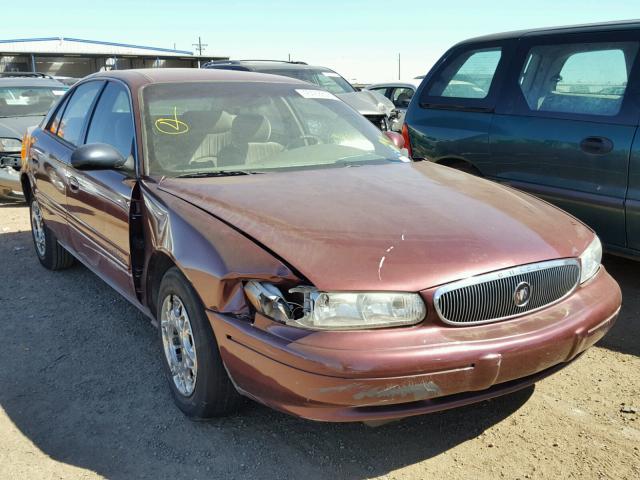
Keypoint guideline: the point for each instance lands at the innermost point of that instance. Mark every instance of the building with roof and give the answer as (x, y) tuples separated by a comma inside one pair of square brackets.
[(76, 57)]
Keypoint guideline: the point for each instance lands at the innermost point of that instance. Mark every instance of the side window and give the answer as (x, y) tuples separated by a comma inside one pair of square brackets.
[(112, 120), (382, 91), (586, 79), (402, 97), (54, 123), (74, 116), (468, 76)]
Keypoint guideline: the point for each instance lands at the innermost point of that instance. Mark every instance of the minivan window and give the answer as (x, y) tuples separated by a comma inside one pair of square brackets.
[(75, 113), (112, 122), (585, 79), (468, 76)]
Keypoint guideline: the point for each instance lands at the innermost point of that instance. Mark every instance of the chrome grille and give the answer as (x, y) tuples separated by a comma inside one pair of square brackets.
[(492, 297)]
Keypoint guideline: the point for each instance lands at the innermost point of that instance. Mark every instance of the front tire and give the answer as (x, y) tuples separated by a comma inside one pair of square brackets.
[(198, 380), (51, 254)]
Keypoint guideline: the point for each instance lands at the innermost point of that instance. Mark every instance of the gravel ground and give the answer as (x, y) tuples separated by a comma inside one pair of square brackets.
[(82, 396)]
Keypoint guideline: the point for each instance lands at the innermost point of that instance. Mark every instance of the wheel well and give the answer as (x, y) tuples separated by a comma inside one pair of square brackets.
[(26, 187), (159, 263), (460, 164)]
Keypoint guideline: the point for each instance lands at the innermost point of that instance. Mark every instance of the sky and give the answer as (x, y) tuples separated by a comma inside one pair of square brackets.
[(359, 39)]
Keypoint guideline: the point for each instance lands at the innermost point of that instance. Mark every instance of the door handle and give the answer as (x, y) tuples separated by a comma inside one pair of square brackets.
[(596, 145), (74, 185)]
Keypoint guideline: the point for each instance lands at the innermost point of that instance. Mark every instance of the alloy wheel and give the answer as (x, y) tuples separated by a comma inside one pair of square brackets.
[(37, 227), (179, 345)]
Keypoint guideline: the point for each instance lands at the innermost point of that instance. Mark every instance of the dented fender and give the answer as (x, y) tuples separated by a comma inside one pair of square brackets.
[(212, 255)]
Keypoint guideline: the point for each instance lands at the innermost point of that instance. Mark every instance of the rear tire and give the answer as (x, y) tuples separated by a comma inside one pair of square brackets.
[(191, 359), (51, 254)]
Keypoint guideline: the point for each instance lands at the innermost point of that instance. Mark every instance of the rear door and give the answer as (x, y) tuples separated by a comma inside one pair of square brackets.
[(453, 116), (564, 127), (99, 200)]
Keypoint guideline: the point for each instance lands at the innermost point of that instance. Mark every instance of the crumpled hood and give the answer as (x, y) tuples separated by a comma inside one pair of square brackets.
[(367, 102), (402, 227), (16, 127)]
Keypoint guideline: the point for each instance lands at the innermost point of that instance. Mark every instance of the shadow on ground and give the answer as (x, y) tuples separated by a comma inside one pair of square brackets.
[(624, 337), (80, 377)]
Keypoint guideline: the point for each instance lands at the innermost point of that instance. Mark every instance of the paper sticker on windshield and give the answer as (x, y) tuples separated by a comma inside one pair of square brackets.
[(321, 94), (58, 92), (330, 74)]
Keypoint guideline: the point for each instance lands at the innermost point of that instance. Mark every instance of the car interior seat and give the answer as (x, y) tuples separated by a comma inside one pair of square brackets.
[(250, 142), (217, 134)]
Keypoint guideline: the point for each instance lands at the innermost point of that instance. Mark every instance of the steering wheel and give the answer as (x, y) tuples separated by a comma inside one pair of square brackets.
[(304, 140)]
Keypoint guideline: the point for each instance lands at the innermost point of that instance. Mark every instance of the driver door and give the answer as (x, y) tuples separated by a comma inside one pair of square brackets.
[(98, 201)]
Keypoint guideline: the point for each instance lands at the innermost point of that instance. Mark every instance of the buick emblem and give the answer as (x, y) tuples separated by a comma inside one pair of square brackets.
[(522, 294)]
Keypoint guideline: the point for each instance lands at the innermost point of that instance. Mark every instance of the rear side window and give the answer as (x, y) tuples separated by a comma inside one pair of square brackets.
[(112, 121), (579, 78), (402, 97), (381, 91), (468, 76), (74, 116), (55, 121)]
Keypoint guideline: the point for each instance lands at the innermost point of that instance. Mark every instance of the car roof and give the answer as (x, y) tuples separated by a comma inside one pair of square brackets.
[(413, 83), (583, 28), (139, 77), (30, 82), (265, 65)]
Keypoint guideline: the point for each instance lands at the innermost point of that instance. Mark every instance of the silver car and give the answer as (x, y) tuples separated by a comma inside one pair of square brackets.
[(375, 107), (400, 94), (25, 98)]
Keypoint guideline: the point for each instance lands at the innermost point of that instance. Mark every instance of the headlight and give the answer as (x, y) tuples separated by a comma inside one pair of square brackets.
[(10, 145), (590, 260), (343, 311), (337, 310)]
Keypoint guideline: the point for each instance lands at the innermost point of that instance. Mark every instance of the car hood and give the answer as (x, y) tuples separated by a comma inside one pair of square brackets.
[(367, 102), (15, 127), (401, 227)]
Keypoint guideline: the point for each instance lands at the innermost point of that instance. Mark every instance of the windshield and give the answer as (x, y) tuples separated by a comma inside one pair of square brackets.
[(28, 101), (327, 79), (209, 127)]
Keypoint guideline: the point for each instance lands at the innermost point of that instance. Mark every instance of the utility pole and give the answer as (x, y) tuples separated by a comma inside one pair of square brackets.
[(398, 66), (289, 57), (199, 47)]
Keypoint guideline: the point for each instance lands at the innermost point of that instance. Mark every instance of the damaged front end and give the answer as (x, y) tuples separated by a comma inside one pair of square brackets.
[(307, 307)]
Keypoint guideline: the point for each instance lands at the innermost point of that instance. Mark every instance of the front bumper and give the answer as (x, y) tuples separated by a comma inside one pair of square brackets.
[(10, 179), (394, 373)]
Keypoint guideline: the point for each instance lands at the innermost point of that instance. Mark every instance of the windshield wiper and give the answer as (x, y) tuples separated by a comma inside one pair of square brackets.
[(219, 173)]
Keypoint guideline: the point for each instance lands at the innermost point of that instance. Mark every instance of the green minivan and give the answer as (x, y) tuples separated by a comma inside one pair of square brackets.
[(553, 112)]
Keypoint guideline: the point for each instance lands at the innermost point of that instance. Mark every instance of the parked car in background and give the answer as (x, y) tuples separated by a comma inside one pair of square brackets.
[(68, 81), (553, 112), (290, 253), (25, 98), (377, 108), (400, 93)]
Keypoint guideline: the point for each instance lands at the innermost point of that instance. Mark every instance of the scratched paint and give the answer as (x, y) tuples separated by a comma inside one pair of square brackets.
[(419, 391)]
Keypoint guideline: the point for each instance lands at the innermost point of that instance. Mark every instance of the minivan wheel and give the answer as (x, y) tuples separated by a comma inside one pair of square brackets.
[(198, 380), (51, 254)]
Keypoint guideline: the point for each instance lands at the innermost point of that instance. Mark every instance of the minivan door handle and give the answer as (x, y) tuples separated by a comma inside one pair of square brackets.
[(596, 145)]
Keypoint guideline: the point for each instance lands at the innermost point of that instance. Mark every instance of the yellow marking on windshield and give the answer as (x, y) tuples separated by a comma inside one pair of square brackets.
[(172, 126)]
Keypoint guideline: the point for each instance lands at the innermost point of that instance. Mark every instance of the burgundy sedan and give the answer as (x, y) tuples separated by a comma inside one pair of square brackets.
[(289, 252)]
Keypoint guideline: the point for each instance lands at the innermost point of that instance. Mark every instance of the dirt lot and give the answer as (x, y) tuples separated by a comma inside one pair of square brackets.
[(82, 396)]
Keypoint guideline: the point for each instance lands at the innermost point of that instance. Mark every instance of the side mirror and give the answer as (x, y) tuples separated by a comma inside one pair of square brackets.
[(96, 156), (395, 138)]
